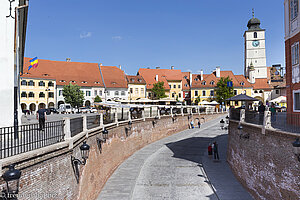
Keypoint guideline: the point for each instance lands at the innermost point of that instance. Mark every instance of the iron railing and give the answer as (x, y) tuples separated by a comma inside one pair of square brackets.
[(254, 117), (289, 122), (93, 121), (29, 137), (76, 126), (108, 118), (235, 114)]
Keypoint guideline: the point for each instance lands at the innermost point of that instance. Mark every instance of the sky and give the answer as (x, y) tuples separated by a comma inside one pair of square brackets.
[(188, 34)]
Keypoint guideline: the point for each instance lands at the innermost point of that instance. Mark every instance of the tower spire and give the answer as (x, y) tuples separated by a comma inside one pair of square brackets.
[(252, 12)]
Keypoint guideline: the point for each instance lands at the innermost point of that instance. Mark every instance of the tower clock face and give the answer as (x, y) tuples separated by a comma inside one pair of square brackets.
[(255, 43)]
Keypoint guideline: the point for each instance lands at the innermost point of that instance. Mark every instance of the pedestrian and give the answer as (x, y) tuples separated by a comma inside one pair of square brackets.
[(192, 124), (215, 149), (273, 112), (261, 111), (199, 124), (41, 116), (209, 149)]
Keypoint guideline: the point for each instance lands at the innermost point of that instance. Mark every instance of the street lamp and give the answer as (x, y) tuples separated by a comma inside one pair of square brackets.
[(227, 119), (130, 125), (84, 149), (296, 147), (12, 178), (222, 123), (105, 134)]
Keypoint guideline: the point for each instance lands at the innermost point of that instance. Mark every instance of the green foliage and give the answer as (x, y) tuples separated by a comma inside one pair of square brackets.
[(73, 95), (197, 100), (159, 90), (222, 92), (97, 99)]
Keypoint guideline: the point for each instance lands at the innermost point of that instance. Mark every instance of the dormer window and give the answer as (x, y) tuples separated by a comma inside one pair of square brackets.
[(84, 82), (242, 83), (45, 74), (196, 79), (185, 77), (113, 83), (204, 83), (62, 81), (186, 85), (139, 80), (132, 80), (212, 82), (72, 81), (97, 82)]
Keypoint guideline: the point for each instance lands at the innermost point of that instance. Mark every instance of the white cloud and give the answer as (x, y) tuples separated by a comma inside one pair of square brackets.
[(85, 35), (117, 38), (189, 70)]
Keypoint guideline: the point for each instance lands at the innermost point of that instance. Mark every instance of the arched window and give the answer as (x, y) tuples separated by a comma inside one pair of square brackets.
[(42, 95), (255, 34), (23, 94), (31, 83), (41, 83), (204, 83), (50, 84), (23, 82)]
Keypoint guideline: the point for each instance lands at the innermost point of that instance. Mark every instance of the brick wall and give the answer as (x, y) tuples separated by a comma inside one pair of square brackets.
[(264, 164), (48, 174)]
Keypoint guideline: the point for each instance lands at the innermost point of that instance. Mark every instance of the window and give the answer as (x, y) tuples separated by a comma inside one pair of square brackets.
[(174, 86), (116, 93), (31, 94), (60, 93), (131, 90), (196, 93), (173, 95), (50, 84), (186, 85), (255, 35), (277, 91), (23, 82), (212, 82), (142, 91), (72, 81), (186, 94), (170, 86), (88, 93), (136, 91), (196, 79), (296, 100), (236, 103), (179, 95), (108, 93), (185, 77), (204, 83), (84, 82), (294, 9), (203, 93), (242, 83), (42, 95), (100, 92), (255, 91), (42, 83), (31, 83), (123, 93), (260, 91), (179, 86), (235, 92), (51, 94), (295, 62), (24, 94), (212, 93), (62, 81), (95, 93)]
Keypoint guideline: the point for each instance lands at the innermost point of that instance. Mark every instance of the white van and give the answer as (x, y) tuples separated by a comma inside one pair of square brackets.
[(65, 108)]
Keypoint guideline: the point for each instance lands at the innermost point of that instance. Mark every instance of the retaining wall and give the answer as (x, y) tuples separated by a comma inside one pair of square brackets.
[(264, 164), (47, 173)]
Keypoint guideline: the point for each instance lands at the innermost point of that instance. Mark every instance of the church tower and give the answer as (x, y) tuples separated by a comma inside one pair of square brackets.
[(255, 50)]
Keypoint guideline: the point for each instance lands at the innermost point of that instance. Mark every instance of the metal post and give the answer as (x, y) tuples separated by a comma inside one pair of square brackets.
[(158, 113)]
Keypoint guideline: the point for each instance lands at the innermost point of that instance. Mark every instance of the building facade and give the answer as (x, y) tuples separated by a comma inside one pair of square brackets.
[(136, 87), (292, 39)]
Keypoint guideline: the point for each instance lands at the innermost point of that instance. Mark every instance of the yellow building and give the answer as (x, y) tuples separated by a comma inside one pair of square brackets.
[(37, 93), (203, 85), (175, 91), (136, 87)]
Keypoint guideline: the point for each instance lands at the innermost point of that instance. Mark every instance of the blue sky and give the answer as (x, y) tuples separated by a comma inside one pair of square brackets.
[(188, 34)]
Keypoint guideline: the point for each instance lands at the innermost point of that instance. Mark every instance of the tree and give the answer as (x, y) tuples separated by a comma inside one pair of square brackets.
[(97, 99), (73, 95), (197, 100), (222, 91), (159, 90)]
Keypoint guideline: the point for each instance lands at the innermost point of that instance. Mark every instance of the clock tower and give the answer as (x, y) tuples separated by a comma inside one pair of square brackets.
[(255, 51)]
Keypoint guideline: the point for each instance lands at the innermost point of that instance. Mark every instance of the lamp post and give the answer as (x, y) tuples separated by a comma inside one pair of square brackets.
[(12, 178), (222, 123), (84, 149), (296, 147), (105, 134), (227, 119)]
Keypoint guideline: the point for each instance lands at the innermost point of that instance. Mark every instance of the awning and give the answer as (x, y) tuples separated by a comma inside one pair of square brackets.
[(241, 97)]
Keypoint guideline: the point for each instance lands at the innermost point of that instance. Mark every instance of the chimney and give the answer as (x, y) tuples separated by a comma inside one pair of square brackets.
[(172, 67), (157, 67), (68, 59), (201, 74), (100, 64), (156, 77), (120, 66), (218, 72), (191, 79)]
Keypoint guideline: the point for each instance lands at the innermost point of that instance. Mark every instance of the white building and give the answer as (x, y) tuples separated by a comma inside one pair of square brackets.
[(9, 62)]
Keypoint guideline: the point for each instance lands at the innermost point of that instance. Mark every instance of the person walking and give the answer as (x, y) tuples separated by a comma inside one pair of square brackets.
[(192, 124), (273, 112), (209, 149), (199, 124), (261, 110), (41, 116), (215, 149)]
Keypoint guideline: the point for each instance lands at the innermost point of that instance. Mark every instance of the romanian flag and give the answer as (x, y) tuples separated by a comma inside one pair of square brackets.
[(33, 63)]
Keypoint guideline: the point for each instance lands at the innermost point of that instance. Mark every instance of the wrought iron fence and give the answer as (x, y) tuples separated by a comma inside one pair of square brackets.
[(29, 137), (234, 114), (93, 121), (254, 117), (289, 122), (76, 126), (108, 118)]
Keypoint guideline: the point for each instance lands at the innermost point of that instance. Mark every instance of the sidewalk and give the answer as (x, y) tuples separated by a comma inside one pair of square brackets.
[(177, 167)]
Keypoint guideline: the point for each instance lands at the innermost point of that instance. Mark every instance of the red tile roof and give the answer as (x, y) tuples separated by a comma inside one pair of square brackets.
[(135, 79), (82, 74), (186, 81), (237, 80), (114, 77), (261, 83), (164, 75)]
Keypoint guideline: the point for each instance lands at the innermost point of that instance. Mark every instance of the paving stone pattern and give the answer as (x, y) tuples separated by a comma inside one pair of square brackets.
[(177, 167)]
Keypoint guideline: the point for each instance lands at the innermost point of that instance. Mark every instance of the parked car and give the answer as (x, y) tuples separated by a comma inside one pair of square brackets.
[(83, 110), (51, 110), (65, 108), (93, 110)]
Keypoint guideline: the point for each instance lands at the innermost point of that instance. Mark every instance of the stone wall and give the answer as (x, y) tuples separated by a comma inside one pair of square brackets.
[(264, 164), (47, 173)]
